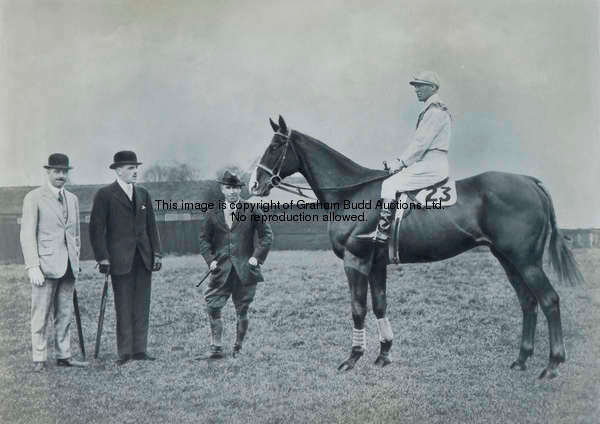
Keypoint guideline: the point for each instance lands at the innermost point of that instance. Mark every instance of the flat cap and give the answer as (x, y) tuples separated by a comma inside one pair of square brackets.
[(426, 77)]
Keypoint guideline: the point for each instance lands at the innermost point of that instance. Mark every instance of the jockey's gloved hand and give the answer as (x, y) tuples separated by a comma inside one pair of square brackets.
[(395, 166)]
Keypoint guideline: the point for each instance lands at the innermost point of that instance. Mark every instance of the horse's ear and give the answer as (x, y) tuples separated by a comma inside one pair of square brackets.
[(273, 125), (282, 125)]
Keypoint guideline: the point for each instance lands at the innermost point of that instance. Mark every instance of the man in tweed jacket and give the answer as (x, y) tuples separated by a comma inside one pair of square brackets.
[(227, 244)]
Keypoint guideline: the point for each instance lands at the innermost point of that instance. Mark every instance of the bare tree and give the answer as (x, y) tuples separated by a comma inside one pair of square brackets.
[(175, 171)]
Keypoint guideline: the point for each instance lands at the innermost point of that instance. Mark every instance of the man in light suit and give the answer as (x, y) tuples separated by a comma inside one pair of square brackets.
[(228, 247), (126, 244), (50, 242)]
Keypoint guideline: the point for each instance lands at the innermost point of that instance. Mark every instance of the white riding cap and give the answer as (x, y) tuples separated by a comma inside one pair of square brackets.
[(426, 77)]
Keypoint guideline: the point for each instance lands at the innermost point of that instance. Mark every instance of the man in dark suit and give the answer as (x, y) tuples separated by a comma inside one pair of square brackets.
[(227, 244), (126, 244)]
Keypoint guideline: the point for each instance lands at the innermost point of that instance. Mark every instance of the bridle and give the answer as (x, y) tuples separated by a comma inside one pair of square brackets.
[(275, 178)]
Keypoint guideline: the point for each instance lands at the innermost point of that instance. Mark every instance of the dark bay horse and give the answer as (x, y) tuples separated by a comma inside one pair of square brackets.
[(511, 214)]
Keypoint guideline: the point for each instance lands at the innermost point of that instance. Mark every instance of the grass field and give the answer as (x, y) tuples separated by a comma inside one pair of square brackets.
[(457, 326)]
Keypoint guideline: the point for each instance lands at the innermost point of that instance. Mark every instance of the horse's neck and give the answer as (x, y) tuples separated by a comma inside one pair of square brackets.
[(325, 168)]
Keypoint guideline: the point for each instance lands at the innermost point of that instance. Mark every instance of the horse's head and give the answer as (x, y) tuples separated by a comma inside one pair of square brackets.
[(279, 161)]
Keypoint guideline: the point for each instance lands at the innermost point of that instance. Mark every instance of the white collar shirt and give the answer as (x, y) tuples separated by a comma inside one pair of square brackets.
[(127, 188), (56, 191), (434, 98)]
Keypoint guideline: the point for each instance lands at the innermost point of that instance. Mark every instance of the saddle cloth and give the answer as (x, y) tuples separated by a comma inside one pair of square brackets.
[(443, 192), (435, 198)]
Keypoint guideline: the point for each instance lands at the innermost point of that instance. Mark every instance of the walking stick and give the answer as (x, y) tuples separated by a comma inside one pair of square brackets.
[(101, 317), (203, 278), (78, 322), (218, 259)]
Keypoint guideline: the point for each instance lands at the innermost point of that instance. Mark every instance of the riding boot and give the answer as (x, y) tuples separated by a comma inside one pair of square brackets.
[(216, 335), (242, 328), (382, 233)]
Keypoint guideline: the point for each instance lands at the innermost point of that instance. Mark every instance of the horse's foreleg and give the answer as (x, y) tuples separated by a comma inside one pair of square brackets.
[(358, 292), (379, 300), (529, 306)]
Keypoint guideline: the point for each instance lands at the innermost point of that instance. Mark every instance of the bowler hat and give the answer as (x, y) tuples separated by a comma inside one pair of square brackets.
[(426, 77), (58, 161), (124, 157), (230, 179)]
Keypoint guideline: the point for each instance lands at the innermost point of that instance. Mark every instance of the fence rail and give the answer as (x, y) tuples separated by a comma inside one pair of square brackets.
[(180, 236)]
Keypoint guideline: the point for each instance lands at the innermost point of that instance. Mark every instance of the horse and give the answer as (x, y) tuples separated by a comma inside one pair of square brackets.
[(511, 214)]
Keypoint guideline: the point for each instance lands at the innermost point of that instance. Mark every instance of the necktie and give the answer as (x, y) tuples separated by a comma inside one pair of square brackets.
[(63, 203), (132, 195), (229, 214), (228, 217)]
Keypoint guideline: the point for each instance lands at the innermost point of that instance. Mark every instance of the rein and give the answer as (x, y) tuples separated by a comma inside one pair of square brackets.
[(277, 182)]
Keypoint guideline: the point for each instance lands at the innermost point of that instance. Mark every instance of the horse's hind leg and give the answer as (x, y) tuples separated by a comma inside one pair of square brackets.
[(358, 292), (538, 283), (529, 306), (378, 297)]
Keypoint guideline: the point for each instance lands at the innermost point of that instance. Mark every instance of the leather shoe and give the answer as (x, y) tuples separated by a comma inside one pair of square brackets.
[(216, 352), (123, 360), (142, 356), (71, 363), (39, 366)]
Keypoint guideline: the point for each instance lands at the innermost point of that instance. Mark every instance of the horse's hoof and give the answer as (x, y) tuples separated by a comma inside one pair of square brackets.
[(520, 365), (347, 365), (548, 372), (382, 361)]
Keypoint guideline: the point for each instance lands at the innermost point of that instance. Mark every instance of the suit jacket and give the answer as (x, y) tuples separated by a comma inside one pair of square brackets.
[(47, 240), (117, 228), (233, 247)]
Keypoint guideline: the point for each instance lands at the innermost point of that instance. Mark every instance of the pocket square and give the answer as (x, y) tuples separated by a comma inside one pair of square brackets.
[(143, 207)]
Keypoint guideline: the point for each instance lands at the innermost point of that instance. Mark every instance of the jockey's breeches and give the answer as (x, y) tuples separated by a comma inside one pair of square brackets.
[(432, 169)]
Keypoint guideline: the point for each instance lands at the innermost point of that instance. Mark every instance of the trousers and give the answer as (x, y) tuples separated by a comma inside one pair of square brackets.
[(432, 169), (54, 297), (216, 295), (132, 306)]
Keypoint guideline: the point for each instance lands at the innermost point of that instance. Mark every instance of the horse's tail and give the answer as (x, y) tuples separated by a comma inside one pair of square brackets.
[(562, 259)]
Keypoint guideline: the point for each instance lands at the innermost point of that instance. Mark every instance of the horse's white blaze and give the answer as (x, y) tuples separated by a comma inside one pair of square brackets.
[(385, 330), (253, 184), (359, 337)]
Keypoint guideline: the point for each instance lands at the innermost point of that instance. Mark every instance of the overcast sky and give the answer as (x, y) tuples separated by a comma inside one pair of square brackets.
[(196, 81)]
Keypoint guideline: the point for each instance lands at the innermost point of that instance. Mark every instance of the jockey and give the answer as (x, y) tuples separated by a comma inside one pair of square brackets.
[(425, 161)]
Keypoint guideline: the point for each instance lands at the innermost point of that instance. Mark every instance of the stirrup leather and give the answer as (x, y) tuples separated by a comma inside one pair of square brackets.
[(382, 233)]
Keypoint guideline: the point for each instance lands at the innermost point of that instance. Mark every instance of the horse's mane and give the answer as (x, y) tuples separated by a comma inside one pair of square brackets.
[(354, 174)]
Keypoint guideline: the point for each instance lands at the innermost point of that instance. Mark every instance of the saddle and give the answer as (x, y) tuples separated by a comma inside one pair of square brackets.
[(435, 197)]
